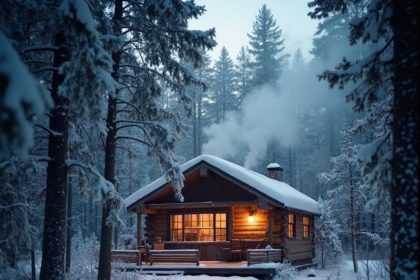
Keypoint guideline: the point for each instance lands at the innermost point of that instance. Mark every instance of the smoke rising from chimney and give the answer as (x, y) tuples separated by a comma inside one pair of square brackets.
[(272, 114)]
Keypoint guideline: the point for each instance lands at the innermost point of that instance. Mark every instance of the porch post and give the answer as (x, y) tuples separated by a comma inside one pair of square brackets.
[(283, 233), (270, 227), (138, 228)]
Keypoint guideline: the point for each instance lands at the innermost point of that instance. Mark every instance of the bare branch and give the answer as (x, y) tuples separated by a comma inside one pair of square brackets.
[(50, 132), (40, 49), (132, 138)]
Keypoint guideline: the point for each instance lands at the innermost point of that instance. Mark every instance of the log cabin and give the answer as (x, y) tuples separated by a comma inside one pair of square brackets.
[(225, 202)]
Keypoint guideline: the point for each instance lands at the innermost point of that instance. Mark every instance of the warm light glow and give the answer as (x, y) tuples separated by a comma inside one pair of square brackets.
[(251, 218)]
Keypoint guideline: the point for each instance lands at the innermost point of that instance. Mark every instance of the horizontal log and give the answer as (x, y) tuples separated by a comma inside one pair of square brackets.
[(248, 227), (249, 233)]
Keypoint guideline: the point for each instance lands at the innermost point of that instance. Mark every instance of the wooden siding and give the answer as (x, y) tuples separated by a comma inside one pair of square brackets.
[(216, 193), (156, 226), (211, 187), (242, 229), (299, 248), (277, 228)]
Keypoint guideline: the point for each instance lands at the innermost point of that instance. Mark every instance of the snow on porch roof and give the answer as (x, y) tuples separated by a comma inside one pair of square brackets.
[(276, 190)]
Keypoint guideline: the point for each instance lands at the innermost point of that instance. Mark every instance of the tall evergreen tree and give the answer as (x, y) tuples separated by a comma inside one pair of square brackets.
[(158, 34), (72, 64), (267, 48), (329, 247), (223, 86), (346, 181), (198, 94), (243, 73), (387, 91)]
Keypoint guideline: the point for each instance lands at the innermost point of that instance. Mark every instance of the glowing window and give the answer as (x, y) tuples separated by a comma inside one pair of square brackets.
[(199, 227), (305, 223), (291, 226), (176, 221)]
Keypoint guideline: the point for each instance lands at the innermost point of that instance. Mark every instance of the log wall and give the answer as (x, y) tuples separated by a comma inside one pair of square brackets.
[(294, 249), (277, 228), (299, 248), (242, 229), (157, 226)]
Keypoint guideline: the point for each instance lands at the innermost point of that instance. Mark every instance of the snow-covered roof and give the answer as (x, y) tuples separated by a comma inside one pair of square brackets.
[(274, 189)]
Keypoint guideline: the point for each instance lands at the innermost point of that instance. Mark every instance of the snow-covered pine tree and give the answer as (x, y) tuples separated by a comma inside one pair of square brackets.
[(243, 73), (72, 65), (149, 58), (267, 48), (386, 90), (21, 98), (20, 196), (199, 109), (223, 86), (327, 241), (345, 181)]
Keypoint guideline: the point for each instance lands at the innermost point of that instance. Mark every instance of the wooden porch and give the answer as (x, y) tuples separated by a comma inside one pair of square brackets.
[(211, 268)]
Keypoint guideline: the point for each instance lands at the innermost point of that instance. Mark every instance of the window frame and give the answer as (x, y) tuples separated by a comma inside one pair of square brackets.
[(214, 227), (291, 225), (306, 226)]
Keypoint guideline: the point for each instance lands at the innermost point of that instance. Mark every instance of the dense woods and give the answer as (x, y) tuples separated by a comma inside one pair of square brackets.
[(100, 97)]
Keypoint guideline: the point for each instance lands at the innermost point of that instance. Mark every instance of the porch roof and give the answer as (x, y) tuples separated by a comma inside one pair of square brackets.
[(276, 190)]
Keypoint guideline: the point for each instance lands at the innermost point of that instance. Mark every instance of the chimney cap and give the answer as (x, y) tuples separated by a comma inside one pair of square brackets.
[(274, 167)]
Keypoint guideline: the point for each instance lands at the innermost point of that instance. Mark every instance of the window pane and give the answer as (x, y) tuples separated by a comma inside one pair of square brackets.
[(191, 234), (220, 234), (290, 225), (176, 226), (199, 227), (220, 220)]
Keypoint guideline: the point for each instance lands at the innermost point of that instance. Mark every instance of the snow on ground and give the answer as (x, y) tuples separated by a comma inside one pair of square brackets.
[(136, 276), (345, 272), (342, 272)]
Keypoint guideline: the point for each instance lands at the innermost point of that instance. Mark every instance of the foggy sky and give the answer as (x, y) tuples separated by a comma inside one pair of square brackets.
[(233, 20)]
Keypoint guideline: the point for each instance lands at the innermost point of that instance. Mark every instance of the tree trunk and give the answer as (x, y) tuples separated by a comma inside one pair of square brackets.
[(352, 221), (405, 132), (104, 267), (69, 228), (199, 125), (33, 267), (194, 120), (54, 238)]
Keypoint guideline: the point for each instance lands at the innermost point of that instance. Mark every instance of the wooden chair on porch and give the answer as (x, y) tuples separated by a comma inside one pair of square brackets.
[(235, 252)]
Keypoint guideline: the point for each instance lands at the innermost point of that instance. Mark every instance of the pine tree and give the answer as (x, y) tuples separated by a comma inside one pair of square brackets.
[(298, 62), (21, 98), (198, 95), (243, 73), (345, 181), (73, 66), (155, 36), (387, 92), (327, 238), (267, 48), (223, 86)]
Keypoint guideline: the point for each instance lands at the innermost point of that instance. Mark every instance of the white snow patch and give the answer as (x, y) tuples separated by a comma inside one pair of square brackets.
[(273, 165), (21, 99)]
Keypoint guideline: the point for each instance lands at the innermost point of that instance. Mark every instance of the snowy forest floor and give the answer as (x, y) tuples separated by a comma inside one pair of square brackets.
[(344, 271)]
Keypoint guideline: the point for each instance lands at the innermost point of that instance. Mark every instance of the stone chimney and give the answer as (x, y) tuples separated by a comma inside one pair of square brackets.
[(275, 171)]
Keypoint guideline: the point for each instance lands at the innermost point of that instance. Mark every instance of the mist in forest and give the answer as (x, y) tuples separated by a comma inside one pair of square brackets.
[(273, 114)]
